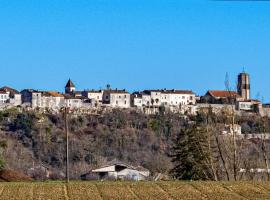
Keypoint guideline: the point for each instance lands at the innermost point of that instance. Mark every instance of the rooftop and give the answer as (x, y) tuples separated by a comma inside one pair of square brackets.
[(223, 93), (173, 91), (70, 84)]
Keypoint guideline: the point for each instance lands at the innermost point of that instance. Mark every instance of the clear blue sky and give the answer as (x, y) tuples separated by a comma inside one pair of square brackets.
[(134, 44)]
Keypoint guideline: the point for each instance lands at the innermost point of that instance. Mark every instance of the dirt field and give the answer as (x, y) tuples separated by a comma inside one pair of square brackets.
[(136, 190)]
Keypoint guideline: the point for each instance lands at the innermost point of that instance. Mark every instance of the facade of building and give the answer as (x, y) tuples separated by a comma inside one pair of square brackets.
[(167, 98), (95, 96), (243, 86), (249, 105), (116, 98), (76, 102), (4, 97), (43, 99), (70, 87), (10, 96)]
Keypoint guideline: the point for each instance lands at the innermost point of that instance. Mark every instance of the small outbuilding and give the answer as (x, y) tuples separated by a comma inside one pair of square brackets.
[(122, 171)]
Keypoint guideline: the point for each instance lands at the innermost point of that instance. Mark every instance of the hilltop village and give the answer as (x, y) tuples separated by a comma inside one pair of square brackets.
[(147, 101)]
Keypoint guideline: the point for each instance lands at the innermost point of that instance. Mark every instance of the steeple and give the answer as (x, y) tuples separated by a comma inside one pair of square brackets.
[(70, 87)]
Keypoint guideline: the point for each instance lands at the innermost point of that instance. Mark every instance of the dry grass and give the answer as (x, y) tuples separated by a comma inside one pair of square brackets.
[(136, 190)]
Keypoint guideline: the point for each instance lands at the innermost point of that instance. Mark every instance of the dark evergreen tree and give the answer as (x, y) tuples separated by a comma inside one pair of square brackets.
[(191, 156)]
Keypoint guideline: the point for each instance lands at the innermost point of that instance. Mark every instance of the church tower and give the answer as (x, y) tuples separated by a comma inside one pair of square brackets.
[(70, 87), (243, 86)]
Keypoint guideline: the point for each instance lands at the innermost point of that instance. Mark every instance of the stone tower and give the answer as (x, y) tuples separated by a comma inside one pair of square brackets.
[(243, 86), (70, 87)]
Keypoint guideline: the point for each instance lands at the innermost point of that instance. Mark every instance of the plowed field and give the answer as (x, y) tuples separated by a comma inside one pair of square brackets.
[(136, 190)]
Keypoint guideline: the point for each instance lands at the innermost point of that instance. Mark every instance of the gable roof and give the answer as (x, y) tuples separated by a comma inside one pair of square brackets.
[(115, 162), (70, 84), (223, 93)]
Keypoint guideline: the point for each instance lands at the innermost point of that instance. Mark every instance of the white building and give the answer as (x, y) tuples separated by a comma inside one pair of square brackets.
[(116, 98), (122, 171), (249, 105), (76, 102), (10, 96), (43, 99), (70, 87), (4, 97), (156, 98), (95, 96)]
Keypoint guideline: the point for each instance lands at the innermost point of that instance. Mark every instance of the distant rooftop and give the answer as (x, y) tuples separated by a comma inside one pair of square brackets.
[(70, 84)]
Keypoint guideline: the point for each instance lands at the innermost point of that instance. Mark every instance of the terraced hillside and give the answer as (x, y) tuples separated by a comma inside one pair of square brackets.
[(136, 190)]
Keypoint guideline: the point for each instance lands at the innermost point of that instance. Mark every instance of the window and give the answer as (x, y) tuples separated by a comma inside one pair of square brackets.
[(125, 102), (191, 98), (125, 96), (183, 97), (117, 102)]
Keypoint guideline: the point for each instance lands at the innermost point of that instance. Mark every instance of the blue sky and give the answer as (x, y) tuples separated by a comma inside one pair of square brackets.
[(134, 44)]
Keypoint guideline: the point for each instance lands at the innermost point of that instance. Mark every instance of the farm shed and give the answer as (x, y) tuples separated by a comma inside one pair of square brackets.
[(118, 170)]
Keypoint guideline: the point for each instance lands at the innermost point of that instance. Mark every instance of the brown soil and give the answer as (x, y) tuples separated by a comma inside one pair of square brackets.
[(13, 176)]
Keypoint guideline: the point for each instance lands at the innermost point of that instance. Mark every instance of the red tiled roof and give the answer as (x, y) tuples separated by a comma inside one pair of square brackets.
[(52, 93), (223, 93)]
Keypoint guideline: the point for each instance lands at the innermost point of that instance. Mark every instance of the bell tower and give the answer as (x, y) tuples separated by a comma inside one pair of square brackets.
[(70, 87), (243, 87)]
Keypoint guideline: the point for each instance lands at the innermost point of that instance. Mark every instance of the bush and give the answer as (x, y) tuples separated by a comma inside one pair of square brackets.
[(24, 122)]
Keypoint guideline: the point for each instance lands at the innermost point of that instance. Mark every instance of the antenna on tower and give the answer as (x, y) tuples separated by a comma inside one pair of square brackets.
[(244, 69)]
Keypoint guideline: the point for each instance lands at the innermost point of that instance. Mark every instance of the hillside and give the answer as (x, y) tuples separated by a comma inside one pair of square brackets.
[(34, 141)]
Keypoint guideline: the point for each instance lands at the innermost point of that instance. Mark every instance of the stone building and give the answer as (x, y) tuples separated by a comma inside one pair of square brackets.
[(95, 96), (167, 98), (70, 87), (116, 98), (76, 102), (10, 96), (42, 99), (243, 86)]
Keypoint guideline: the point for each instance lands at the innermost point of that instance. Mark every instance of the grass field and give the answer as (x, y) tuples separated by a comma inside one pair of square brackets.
[(136, 190)]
